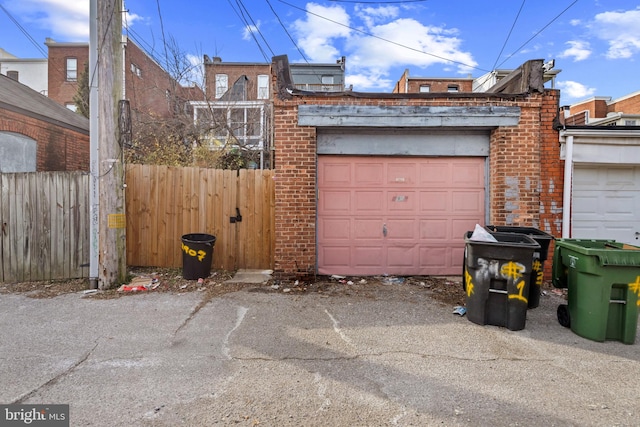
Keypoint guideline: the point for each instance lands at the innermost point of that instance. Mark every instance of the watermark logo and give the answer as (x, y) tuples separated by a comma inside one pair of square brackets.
[(34, 415)]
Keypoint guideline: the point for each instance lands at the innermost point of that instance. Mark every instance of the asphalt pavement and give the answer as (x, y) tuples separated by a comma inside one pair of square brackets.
[(268, 358)]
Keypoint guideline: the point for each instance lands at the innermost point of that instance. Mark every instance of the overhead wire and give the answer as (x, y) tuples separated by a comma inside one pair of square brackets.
[(257, 28), (509, 35), (382, 38), (284, 27), (244, 21), (540, 31), (24, 31)]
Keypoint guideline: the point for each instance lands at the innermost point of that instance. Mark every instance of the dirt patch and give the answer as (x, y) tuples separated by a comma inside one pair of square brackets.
[(143, 280), (446, 290)]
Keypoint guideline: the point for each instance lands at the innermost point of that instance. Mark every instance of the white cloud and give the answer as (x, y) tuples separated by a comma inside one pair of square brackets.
[(578, 50), (316, 35), (66, 19), (408, 42), (250, 31), (575, 90), (621, 31)]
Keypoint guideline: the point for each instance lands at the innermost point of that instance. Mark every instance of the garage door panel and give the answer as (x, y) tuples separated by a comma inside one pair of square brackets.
[(401, 174), (334, 229), (335, 256), (606, 203), (401, 229), (367, 256), (335, 175), (368, 173), (467, 201), (367, 229), (434, 229), (434, 202), (335, 202), (371, 202), (402, 201), (467, 174), (402, 256), (425, 213)]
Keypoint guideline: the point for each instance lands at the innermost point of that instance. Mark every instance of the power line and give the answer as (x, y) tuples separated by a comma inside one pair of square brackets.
[(241, 4), (164, 40), (541, 30), (284, 27), (382, 38), (25, 32), (244, 21), (509, 35)]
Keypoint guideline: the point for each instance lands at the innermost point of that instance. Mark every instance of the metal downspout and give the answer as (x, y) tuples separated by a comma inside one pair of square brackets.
[(566, 199)]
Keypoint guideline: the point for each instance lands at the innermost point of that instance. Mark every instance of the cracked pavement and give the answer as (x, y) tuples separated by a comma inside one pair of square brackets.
[(254, 358)]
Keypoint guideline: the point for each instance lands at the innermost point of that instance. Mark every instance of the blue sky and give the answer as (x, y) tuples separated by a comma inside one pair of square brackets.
[(596, 43)]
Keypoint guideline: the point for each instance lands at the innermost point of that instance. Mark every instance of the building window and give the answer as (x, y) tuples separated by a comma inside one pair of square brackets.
[(629, 122), (425, 88), (136, 70), (72, 69), (222, 84), (263, 86), (13, 75), (71, 106), (452, 88)]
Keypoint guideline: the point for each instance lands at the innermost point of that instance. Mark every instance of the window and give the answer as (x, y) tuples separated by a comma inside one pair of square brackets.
[(629, 122), (136, 70), (263, 86), (452, 88), (425, 88), (71, 106), (72, 69), (13, 75), (327, 80), (222, 84)]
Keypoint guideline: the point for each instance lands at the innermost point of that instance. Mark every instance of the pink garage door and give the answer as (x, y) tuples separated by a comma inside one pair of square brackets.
[(400, 216)]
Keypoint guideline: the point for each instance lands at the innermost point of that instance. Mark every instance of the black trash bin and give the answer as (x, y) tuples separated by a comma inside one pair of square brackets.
[(539, 257), (197, 254), (497, 276)]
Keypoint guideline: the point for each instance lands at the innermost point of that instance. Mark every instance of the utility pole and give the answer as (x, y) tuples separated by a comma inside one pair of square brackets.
[(107, 163)]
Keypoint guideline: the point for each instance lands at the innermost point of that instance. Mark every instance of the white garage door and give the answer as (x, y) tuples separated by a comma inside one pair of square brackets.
[(393, 215), (606, 203)]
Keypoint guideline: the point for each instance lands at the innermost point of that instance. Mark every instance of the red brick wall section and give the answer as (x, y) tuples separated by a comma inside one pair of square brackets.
[(58, 148), (521, 193), (630, 105), (59, 89), (551, 174), (295, 221), (234, 71)]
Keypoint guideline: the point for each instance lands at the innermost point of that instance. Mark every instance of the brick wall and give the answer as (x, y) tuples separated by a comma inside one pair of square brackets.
[(234, 71), (628, 105), (58, 148), (61, 90), (525, 170)]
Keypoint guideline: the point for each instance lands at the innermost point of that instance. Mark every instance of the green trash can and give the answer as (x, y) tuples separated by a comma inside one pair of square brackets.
[(539, 257), (496, 277), (197, 255), (603, 282)]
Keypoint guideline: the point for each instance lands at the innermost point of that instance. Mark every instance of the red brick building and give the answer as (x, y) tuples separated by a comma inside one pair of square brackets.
[(148, 87), (407, 84), (372, 184), (603, 110), (37, 134)]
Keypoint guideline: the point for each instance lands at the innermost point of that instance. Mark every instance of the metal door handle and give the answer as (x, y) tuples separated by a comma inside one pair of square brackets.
[(384, 230)]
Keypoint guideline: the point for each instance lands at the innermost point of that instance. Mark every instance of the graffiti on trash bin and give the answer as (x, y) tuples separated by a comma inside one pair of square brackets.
[(635, 287), (537, 269), (192, 252), (511, 271)]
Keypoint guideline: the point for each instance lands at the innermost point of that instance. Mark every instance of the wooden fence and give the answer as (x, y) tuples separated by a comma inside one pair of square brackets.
[(164, 203), (45, 219)]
